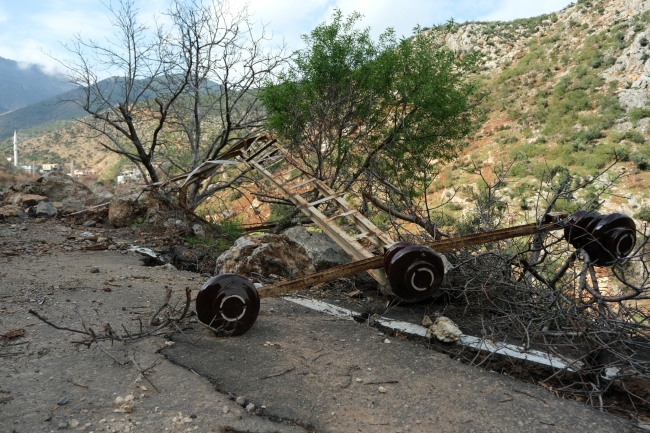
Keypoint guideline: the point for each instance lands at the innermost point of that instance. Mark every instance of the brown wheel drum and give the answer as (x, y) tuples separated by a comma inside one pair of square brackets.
[(605, 238), (415, 272), (228, 303)]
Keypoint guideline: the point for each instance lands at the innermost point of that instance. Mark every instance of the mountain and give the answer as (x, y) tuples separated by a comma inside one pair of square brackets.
[(56, 108), (24, 85), (61, 107), (40, 113)]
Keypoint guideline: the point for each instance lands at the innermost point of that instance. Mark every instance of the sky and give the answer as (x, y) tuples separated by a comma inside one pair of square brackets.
[(32, 31)]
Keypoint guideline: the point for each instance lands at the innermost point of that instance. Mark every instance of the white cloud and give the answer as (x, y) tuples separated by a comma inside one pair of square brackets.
[(506, 10), (50, 22)]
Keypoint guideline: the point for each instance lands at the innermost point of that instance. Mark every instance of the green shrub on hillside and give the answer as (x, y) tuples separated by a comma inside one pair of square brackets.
[(640, 160), (635, 136), (638, 113), (643, 214)]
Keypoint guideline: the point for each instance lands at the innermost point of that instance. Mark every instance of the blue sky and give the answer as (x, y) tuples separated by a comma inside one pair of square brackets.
[(28, 28)]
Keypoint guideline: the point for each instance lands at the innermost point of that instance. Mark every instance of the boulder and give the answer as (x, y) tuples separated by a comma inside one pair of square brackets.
[(45, 208), (267, 255), (10, 210), (322, 250), (27, 200), (121, 212), (63, 189)]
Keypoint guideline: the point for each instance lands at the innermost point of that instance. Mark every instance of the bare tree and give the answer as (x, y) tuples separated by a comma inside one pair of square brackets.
[(178, 95), (120, 107), (227, 65)]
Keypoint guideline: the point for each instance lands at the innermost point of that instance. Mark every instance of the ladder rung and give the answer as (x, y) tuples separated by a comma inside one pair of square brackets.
[(322, 200), (298, 185), (344, 214)]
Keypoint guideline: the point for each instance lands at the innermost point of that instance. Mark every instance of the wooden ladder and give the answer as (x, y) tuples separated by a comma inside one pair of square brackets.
[(294, 182)]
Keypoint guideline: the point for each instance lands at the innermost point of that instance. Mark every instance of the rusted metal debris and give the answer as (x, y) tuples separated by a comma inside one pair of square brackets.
[(378, 261), (230, 303)]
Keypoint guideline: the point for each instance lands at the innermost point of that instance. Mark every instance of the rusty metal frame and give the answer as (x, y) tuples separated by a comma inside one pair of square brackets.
[(438, 246)]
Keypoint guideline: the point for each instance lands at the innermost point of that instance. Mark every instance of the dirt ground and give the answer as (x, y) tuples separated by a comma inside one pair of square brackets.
[(296, 370)]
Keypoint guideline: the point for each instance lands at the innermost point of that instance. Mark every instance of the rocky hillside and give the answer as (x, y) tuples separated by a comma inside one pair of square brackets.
[(564, 91)]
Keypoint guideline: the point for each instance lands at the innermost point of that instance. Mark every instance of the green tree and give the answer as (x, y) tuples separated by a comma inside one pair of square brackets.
[(373, 116)]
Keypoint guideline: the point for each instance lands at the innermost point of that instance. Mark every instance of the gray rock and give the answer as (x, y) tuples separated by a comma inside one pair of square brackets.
[(99, 198), (90, 223), (121, 212), (250, 407), (45, 208), (69, 192), (198, 230), (322, 250)]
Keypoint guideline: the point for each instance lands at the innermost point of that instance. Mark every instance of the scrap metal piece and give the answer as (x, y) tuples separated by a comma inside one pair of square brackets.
[(228, 303)]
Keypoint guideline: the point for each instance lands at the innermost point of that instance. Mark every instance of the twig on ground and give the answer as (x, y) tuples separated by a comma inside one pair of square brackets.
[(279, 374), (168, 295)]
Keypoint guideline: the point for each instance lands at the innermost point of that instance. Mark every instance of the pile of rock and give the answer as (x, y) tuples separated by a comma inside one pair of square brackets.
[(46, 197), (295, 253), (59, 194)]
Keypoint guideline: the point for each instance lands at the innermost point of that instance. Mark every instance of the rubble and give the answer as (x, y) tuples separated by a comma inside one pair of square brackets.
[(121, 212), (63, 189), (46, 208)]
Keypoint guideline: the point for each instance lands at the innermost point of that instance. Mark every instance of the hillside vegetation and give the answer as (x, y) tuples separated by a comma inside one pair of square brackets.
[(564, 91)]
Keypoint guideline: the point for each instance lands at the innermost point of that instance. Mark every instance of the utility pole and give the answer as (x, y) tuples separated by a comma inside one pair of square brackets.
[(72, 168), (15, 149)]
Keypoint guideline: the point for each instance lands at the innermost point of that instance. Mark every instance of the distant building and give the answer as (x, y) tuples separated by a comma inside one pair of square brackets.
[(46, 168), (129, 176), (81, 173)]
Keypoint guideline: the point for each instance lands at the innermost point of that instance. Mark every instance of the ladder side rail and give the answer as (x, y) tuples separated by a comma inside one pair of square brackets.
[(352, 247)]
